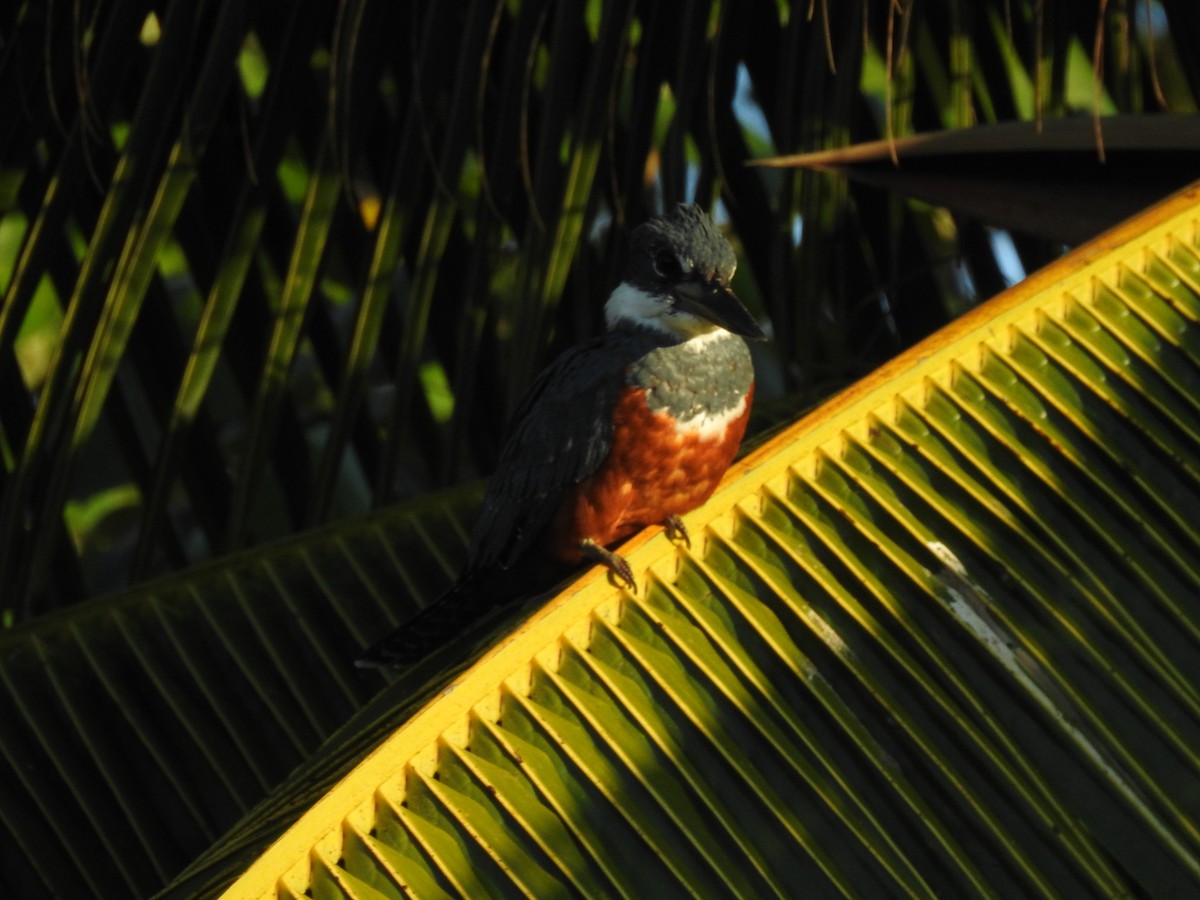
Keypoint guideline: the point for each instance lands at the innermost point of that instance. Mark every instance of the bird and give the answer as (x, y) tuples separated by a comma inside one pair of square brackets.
[(633, 428)]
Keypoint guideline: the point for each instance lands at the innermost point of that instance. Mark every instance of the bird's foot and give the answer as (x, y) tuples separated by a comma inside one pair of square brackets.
[(615, 563), (676, 530)]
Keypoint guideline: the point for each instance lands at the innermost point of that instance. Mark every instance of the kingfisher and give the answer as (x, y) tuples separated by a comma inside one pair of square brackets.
[(631, 429)]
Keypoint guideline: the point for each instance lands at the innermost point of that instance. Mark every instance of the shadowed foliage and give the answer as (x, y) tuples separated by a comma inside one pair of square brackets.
[(267, 266)]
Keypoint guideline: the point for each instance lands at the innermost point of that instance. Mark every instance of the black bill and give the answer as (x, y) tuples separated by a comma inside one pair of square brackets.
[(715, 303)]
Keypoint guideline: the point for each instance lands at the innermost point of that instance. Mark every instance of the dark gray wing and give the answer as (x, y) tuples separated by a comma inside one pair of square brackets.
[(560, 435)]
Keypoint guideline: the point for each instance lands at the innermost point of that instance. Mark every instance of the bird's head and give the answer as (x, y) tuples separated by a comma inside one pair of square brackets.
[(677, 278)]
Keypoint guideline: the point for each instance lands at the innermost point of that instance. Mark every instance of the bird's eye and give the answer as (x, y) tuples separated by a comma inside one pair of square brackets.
[(666, 265)]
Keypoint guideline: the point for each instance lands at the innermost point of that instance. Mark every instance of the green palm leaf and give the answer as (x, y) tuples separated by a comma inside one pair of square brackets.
[(937, 638), (141, 726)]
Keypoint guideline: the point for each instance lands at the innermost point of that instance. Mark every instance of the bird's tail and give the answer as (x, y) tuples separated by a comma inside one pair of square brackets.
[(430, 628), (457, 610)]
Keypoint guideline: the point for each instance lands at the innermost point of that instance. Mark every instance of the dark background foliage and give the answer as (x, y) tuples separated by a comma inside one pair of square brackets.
[(269, 264)]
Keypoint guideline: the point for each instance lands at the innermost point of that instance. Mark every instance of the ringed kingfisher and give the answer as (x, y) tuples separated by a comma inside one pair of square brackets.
[(633, 428)]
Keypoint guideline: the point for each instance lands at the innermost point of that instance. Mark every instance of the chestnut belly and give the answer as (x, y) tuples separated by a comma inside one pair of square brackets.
[(654, 469)]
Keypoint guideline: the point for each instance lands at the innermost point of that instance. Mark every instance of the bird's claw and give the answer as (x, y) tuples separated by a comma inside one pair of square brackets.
[(676, 530), (614, 562), (623, 572)]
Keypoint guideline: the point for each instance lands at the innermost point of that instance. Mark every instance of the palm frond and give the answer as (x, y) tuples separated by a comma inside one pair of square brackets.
[(938, 639)]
